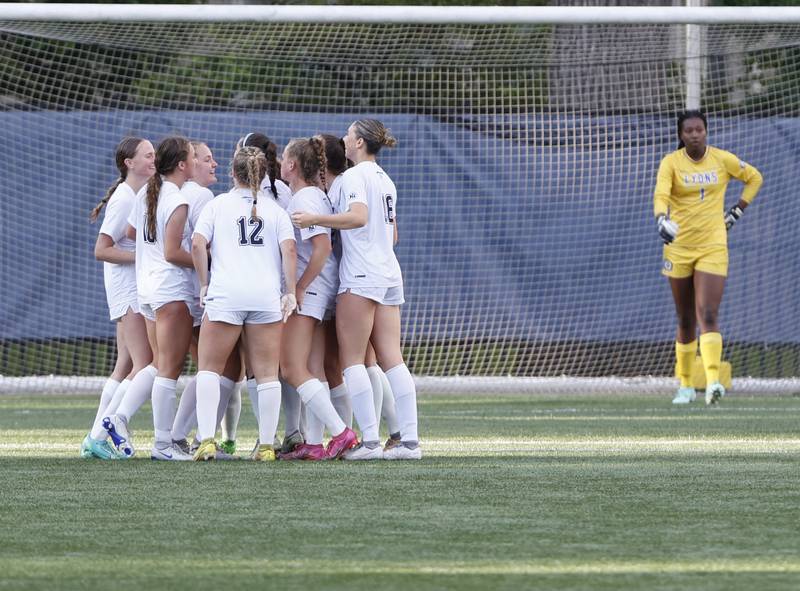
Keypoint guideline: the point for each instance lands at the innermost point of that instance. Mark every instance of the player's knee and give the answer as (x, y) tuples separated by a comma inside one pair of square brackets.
[(686, 322), (708, 316)]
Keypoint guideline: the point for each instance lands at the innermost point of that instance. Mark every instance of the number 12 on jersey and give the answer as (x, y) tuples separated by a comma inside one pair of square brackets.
[(254, 237)]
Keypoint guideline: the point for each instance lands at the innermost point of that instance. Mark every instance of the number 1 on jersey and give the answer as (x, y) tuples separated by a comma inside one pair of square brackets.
[(255, 238)]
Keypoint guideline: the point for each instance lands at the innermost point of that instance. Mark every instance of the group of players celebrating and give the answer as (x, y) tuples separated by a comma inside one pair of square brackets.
[(289, 279), (292, 280)]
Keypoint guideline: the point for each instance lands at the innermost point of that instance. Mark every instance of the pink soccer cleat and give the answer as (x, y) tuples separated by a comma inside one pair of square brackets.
[(345, 440), (306, 451)]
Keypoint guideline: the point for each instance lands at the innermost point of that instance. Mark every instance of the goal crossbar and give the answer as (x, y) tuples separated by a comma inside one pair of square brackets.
[(497, 15)]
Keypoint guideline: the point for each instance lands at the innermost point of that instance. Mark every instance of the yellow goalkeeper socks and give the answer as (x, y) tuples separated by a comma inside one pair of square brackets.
[(711, 351), (684, 357)]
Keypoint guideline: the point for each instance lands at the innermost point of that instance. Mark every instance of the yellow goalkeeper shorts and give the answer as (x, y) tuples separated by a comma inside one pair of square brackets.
[(680, 262)]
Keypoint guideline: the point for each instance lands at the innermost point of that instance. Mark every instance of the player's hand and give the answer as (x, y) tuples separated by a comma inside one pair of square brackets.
[(203, 293), (667, 229), (733, 215), (288, 304), (301, 219)]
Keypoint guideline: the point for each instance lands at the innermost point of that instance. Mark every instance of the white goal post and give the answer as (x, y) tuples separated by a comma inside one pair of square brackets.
[(529, 141)]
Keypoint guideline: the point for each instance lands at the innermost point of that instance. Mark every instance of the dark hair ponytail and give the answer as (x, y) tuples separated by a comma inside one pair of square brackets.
[(689, 114), (125, 149), (270, 151), (171, 151)]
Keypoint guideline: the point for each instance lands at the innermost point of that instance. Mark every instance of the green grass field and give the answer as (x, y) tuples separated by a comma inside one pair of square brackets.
[(514, 493)]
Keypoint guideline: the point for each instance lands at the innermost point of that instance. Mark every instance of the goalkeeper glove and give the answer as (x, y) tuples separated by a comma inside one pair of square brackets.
[(733, 215), (667, 229)]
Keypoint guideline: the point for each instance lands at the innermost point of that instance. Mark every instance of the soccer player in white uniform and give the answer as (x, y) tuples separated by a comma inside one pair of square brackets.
[(135, 160), (251, 239), (197, 192), (273, 186), (303, 165), (370, 290), (165, 288)]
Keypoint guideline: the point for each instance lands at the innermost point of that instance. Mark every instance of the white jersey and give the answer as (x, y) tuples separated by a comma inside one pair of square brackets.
[(119, 280), (198, 197), (368, 258), (158, 280), (245, 253), (284, 196), (313, 200)]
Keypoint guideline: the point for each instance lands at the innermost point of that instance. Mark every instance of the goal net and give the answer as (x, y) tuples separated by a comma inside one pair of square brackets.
[(525, 169)]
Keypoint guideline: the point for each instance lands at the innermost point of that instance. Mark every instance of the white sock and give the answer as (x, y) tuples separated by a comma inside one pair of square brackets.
[(340, 398), (389, 412), (186, 417), (140, 391), (269, 409), (163, 409), (405, 396), (230, 420), (377, 391), (252, 394), (208, 395), (358, 384), (317, 398), (315, 428), (111, 405), (106, 396), (226, 386), (290, 404)]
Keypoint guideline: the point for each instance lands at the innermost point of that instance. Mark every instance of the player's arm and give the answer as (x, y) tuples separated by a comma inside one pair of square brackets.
[(356, 217), (752, 180), (667, 229), (173, 238), (289, 257), (200, 260), (396, 235), (106, 250)]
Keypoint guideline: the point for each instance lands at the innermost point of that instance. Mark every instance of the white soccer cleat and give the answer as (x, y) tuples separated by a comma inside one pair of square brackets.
[(714, 392), (401, 452), (362, 452), (170, 453), (684, 396), (117, 428)]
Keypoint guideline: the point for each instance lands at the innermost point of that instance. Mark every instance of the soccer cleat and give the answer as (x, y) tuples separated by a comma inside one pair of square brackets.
[(223, 456), (117, 428), (391, 442), (344, 441), (169, 453), (684, 396), (290, 442), (363, 453), (714, 392), (254, 451), (228, 446), (306, 451), (206, 451), (402, 452), (264, 453), (183, 445), (95, 448)]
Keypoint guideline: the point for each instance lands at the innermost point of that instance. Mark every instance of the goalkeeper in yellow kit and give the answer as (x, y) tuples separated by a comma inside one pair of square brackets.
[(689, 205)]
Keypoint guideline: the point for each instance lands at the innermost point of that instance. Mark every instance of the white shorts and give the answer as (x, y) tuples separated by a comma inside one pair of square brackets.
[(240, 318), (195, 309), (317, 305), (117, 311), (386, 296)]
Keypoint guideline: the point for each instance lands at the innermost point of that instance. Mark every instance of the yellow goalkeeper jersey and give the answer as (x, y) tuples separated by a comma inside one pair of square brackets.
[(693, 193)]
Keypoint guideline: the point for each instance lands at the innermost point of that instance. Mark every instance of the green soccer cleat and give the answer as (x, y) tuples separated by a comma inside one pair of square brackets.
[(714, 392), (228, 446), (684, 396), (102, 450)]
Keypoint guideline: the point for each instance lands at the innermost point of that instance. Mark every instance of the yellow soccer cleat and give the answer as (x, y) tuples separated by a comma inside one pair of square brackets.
[(206, 451), (264, 453)]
